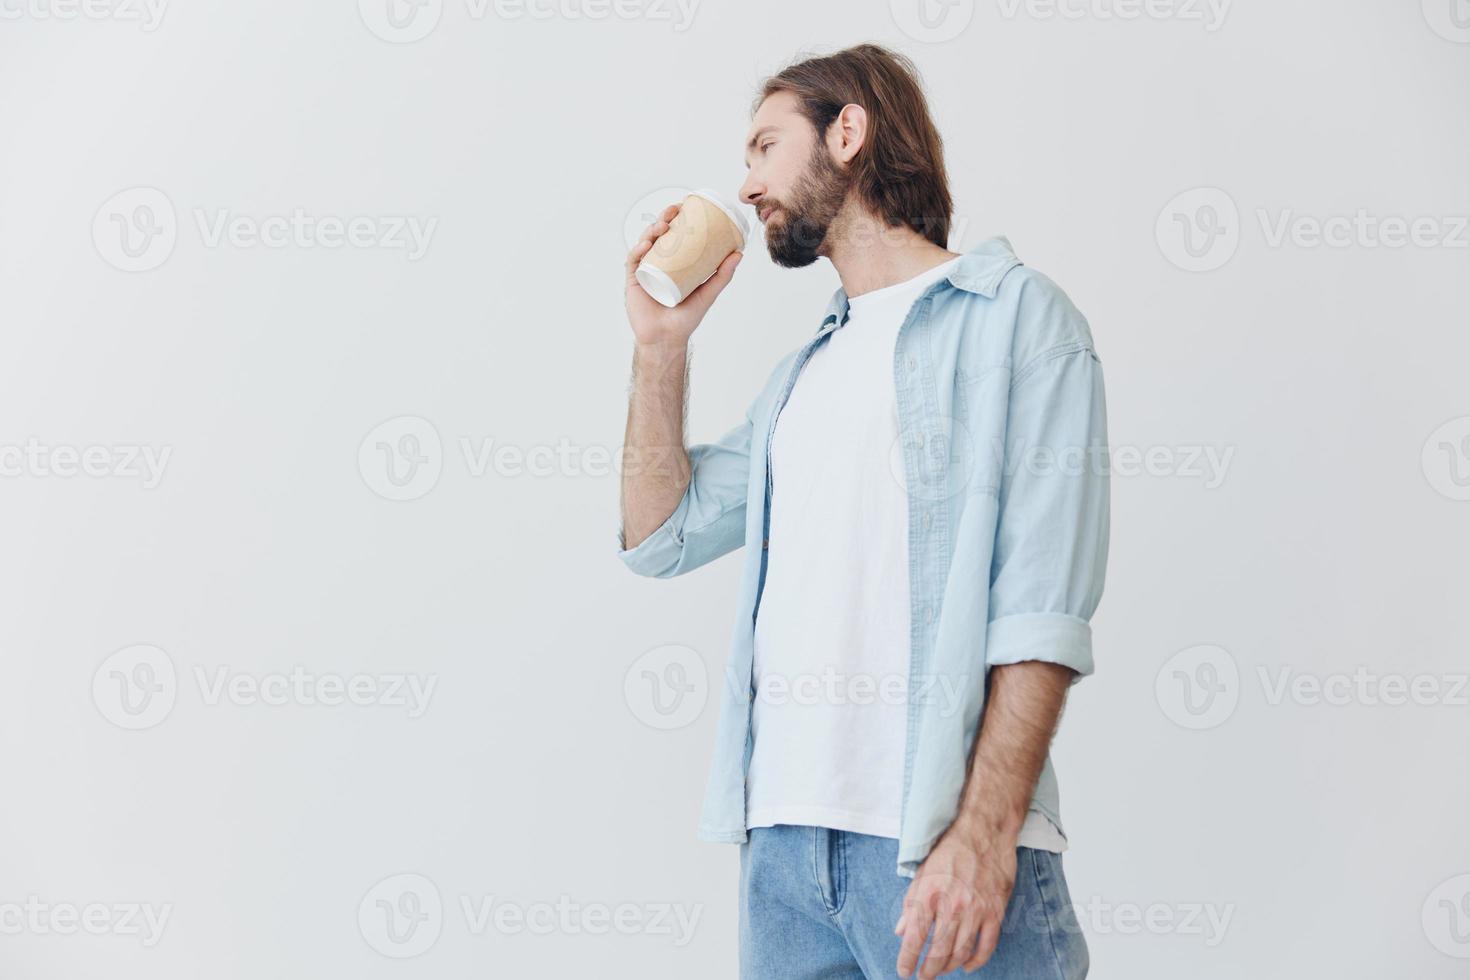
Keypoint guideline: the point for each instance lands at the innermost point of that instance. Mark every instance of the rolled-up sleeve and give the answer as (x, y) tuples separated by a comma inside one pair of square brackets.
[(709, 520), (1051, 543)]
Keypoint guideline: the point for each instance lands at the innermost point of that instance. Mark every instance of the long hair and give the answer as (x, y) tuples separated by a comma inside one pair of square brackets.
[(899, 171)]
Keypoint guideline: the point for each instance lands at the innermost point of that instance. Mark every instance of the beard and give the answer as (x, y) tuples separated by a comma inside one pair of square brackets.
[(796, 230)]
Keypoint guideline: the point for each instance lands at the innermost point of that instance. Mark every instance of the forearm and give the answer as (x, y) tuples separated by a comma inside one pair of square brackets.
[(1022, 709), (655, 464)]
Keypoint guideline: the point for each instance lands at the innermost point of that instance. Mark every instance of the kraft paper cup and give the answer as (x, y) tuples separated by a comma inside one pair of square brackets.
[(706, 229)]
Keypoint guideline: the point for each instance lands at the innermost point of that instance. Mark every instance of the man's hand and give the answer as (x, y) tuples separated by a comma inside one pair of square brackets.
[(961, 891), (652, 322), (964, 885)]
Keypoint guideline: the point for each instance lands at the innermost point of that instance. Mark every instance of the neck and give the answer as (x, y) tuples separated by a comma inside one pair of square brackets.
[(869, 255)]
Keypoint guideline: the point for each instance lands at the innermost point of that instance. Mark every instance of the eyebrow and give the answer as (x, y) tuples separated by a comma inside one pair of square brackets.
[(756, 139)]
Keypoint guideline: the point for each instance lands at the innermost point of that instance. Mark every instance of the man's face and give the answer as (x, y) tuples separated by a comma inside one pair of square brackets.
[(794, 184)]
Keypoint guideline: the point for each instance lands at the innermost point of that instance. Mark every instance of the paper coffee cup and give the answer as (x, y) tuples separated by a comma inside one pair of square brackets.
[(706, 229)]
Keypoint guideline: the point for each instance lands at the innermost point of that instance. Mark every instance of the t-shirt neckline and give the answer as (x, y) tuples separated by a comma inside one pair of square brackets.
[(917, 282)]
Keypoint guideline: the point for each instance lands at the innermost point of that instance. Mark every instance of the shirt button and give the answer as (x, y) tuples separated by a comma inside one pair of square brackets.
[(912, 363), (928, 614), (927, 520)]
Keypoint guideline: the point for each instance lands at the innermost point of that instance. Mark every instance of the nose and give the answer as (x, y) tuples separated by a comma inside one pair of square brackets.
[(751, 190)]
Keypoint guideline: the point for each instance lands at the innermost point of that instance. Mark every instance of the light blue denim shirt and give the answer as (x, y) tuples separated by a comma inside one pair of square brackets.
[(1003, 432)]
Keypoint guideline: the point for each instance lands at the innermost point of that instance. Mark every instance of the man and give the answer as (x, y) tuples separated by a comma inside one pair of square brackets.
[(922, 491)]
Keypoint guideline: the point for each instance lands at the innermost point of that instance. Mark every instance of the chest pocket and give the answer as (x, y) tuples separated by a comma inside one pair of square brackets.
[(981, 400)]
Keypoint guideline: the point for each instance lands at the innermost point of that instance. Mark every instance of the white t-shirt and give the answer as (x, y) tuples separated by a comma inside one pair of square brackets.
[(832, 627)]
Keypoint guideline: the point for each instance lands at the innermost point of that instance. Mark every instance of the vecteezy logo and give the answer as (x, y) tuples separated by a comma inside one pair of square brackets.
[(1199, 229), (401, 916), (135, 688), (932, 21), (1198, 687), (1446, 917), (667, 687), (401, 21), (1450, 19), (935, 463), (402, 458), (1446, 459), (135, 230), (647, 209)]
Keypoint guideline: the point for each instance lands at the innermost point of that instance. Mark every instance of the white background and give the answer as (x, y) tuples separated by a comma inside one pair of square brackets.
[(1330, 834)]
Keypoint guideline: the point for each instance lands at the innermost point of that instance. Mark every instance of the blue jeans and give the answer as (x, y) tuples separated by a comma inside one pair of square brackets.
[(818, 904)]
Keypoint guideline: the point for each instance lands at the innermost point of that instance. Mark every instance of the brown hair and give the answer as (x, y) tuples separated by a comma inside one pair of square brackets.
[(899, 172)]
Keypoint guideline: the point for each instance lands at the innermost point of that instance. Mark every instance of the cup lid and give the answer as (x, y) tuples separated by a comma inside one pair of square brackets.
[(736, 215)]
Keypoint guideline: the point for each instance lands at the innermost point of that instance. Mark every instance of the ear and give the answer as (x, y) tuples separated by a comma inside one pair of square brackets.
[(849, 131)]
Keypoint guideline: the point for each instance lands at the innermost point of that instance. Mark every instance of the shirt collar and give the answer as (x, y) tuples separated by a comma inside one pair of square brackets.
[(978, 271)]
